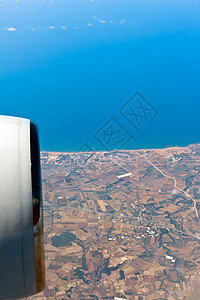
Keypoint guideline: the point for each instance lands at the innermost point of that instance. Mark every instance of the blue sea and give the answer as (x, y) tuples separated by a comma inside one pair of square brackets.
[(103, 74)]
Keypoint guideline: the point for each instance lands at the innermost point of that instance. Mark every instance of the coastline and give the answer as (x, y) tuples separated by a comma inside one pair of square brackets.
[(168, 148)]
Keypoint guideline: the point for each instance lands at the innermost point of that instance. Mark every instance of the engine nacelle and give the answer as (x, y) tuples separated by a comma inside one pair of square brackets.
[(22, 269)]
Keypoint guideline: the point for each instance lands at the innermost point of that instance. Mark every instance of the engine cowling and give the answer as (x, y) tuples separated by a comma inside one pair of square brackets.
[(22, 268)]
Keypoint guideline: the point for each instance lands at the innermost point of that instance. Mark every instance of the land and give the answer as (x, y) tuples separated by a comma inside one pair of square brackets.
[(122, 224)]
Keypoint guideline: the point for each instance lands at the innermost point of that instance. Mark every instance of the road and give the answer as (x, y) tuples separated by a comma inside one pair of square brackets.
[(176, 187)]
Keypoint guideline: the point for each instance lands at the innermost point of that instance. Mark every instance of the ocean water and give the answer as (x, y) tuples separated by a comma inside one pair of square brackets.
[(103, 75)]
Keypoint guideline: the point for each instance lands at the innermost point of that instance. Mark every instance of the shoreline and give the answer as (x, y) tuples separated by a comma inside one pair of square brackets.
[(125, 150)]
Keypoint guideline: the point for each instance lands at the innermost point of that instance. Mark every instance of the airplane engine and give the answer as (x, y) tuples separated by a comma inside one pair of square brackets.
[(22, 270)]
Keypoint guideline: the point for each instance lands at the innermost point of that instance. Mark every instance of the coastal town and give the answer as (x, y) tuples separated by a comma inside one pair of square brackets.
[(122, 224)]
